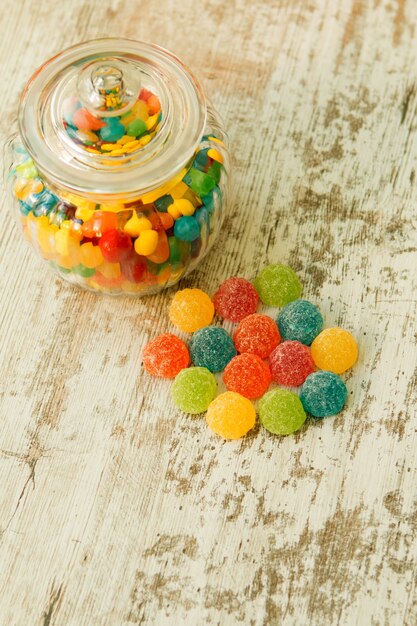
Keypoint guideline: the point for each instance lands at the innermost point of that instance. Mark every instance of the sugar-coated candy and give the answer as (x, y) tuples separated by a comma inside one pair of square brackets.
[(300, 320), (335, 350), (257, 334), (277, 285), (193, 389), (191, 309), (235, 299), (281, 412), (248, 375), (114, 245), (212, 347), (291, 363), (323, 394), (165, 356), (231, 415)]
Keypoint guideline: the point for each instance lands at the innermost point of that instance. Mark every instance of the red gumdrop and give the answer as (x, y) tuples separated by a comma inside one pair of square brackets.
[(134, 267), (235, 299), (291, 362), (115, 245), (248, 375), (145, 94), (257, 334), (165, 356)]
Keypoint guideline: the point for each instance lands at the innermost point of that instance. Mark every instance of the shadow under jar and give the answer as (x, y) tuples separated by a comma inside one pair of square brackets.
[(119, 174)]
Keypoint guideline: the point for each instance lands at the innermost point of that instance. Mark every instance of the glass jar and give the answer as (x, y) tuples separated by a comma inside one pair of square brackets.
[(119, 173)]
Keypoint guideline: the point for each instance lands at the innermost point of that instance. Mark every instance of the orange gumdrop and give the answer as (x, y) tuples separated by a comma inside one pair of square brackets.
[(167, 220), (145, 94), (85, 120), (161, 253), (154, 106), (100, 223)]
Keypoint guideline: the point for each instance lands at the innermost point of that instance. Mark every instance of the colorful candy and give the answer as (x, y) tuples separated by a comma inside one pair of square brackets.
[(323, 394), (248, 375), (193, 389), (301, 321), (257, 334), (231, 415), (235, 299), (335, 350), (291, 363), (191, 309), (165, 356), (277, 285), (281, 412), (115, 245), (212, 347)]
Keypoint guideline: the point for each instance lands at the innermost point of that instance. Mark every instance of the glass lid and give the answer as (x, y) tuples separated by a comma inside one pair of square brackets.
[(111, 117)]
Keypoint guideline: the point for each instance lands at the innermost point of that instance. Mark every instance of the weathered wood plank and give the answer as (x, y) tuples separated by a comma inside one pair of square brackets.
[(115, 508)]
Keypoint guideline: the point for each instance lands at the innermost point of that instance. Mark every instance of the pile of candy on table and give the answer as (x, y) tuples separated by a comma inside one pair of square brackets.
[(293, 351)]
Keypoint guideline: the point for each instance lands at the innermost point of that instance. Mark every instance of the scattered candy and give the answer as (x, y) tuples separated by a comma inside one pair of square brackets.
[(191, 309), (291, 363), (301, 321), (335, 350), (248, 375), (165, 356), (193, 389), (277, 285), (281, 412), (231, 415), (235, 299), (212, 347), (323, 394), (257, 334)]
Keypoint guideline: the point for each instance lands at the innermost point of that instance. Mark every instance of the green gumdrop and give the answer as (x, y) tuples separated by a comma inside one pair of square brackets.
[(193, 389), (199, 182), (27, 169), (136, 128), (277, 285), (179, 251), (84, 271), (215, 171), (281, 412)]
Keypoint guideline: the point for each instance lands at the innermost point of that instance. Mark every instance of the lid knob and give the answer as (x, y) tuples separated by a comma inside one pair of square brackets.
[(108, 87)]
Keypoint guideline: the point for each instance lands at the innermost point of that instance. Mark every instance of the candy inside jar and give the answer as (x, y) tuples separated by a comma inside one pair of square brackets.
[(119, 174)]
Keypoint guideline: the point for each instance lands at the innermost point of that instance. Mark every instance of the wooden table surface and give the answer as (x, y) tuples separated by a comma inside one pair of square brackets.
[(116, 509)]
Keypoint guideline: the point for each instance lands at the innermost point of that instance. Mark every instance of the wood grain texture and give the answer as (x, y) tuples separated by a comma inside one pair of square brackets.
[(117, 510)]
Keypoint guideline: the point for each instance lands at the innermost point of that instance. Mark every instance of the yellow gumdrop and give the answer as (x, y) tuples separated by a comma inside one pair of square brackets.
[(146, 243), (215, 154), (136, 225), (185, 207), (150, 123), (110, 270), (73, 227), (173, 211), (191, 309), (334, 350), (108, 147), (127, 119), (84, 214), (66, 245), (117, 152), (79, 201), (179, 190), (26, 186), (90, 255), (126, 139), (140, 110), (144, 140)]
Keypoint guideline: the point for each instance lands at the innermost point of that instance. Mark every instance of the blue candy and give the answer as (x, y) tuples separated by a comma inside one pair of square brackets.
[(323, 394), (212, 347), (45, 202), (300, 321), (113, 130), (187, 228)]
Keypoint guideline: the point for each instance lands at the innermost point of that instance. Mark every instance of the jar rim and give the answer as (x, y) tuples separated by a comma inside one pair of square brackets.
[(185, 114)]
